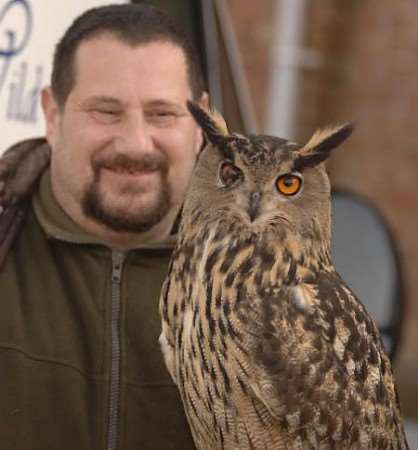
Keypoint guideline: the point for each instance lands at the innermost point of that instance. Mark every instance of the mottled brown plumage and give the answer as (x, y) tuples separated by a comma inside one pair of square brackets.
[(268, 346)]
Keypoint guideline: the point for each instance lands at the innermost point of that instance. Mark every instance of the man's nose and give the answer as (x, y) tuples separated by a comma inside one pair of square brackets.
[(136, 135)]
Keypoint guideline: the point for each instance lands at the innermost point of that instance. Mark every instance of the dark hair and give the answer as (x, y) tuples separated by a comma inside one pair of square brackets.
[(132, 23)]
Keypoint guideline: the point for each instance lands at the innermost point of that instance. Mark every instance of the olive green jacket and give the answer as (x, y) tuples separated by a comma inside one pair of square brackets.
[(80, 363)]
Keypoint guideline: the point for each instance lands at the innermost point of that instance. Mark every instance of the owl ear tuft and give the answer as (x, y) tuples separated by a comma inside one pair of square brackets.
[(212, 123), (319, 147)]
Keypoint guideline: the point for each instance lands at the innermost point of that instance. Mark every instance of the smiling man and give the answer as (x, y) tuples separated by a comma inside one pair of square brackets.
[(79, 356), (125, 136)]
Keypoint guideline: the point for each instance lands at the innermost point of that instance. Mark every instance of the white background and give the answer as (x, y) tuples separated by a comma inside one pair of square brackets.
[(35, 26)]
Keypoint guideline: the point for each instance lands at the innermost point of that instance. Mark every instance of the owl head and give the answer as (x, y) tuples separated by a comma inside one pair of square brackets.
[(263, 183)]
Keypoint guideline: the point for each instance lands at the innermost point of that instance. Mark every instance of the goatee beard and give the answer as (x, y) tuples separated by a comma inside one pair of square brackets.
[(94, 207)]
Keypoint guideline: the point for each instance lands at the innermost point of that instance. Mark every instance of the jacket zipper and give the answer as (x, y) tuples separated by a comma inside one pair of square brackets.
[(114, 397)]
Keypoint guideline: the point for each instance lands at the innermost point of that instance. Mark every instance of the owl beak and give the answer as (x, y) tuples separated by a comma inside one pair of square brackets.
[(254, 207)]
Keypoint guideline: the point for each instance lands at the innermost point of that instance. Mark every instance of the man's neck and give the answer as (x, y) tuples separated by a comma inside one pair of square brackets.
[(126, 240), (119, 240)]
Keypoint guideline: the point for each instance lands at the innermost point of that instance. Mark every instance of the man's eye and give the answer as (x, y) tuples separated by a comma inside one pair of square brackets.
[(109, 112), (105, 115), (161, 116)]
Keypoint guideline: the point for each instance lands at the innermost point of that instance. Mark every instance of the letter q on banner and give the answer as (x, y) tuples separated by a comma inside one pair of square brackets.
[(29, 31)]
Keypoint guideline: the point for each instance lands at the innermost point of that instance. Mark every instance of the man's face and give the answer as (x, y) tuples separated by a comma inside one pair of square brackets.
[(124, 145)]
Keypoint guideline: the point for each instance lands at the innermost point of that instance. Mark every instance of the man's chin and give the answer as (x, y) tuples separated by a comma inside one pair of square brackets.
[(123, 214)]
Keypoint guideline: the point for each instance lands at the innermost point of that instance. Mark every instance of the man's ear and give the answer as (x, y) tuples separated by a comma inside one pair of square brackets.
[(52, 114), (203, 103)]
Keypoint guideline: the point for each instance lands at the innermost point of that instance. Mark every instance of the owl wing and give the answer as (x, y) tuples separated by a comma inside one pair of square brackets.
[(174, 292), (320, 367), (169, 295)]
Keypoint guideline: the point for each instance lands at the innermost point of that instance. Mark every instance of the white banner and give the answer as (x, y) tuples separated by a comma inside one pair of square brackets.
[(29, 31)]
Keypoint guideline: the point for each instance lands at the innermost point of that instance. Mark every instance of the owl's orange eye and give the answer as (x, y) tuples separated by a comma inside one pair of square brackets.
[(289, 184), (229, 174)]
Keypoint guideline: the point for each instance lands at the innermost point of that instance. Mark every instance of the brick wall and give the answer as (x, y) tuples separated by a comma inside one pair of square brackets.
[(368, 74)]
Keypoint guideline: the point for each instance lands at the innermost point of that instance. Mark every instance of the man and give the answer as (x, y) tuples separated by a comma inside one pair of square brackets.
[(80, 363)]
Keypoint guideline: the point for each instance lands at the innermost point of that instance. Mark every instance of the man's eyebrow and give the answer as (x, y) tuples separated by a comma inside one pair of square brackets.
[(100, 99), (165, 103)]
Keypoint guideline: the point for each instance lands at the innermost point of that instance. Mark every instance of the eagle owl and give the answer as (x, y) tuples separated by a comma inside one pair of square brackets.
[(268, 346)]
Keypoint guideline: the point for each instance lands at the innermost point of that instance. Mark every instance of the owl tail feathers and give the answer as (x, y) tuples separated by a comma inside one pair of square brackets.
[(211, 122), (319, 147)]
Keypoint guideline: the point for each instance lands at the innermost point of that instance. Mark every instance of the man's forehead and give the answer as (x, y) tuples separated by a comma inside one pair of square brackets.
[(110, 41), (107, 60)]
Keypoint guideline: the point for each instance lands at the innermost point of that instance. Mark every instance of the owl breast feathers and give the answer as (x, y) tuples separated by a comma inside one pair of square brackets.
[(268, 346)]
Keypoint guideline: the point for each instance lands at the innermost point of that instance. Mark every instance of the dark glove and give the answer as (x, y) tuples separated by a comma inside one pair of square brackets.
[(20, 168)]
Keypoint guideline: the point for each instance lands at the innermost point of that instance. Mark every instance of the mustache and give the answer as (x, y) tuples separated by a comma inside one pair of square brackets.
[(121, 162)]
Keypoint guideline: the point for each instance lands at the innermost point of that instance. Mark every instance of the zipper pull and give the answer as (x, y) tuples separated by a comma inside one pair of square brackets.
[(117, 263)]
